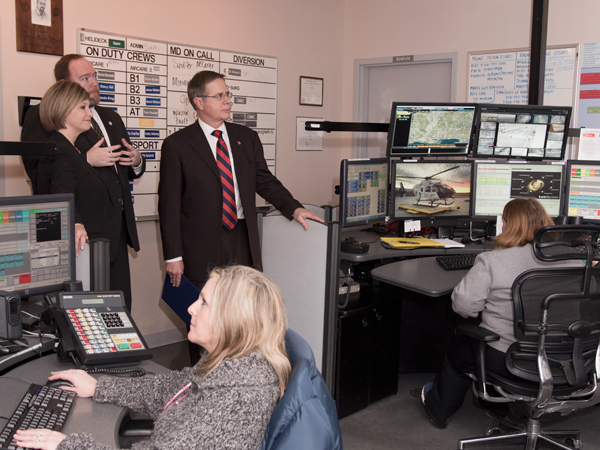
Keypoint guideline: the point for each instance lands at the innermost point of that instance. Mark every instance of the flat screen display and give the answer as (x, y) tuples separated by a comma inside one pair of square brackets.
[(363, 191), (430, 129), (37, 246), (496, 183), (521, 131), (431, 189), (583, 190)]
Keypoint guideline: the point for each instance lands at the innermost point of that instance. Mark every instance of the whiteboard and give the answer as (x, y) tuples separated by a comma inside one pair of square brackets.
[(145, 81), (503, 77)]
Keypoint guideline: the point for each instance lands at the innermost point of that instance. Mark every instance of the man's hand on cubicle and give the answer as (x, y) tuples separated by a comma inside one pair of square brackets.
[(175, 270), (301, 214)]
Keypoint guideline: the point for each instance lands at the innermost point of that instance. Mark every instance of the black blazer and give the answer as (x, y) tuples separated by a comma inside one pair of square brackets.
[(98, 193), (113, 187), (190, 196)]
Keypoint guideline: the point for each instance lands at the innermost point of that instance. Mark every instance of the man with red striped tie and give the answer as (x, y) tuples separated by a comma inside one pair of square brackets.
[(210, 172)]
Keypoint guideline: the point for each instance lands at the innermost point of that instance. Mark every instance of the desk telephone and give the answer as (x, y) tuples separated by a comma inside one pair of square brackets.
[(97, 329)]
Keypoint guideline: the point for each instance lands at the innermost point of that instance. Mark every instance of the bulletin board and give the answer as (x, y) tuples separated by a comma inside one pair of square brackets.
[(145, 81), (503, 76)]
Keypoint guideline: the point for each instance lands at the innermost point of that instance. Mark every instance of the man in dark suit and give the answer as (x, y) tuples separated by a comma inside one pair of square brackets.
[(115, 169), (195, 221)]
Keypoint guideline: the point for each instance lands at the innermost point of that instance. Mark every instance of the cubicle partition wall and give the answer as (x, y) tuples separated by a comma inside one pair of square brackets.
[(305, 266)]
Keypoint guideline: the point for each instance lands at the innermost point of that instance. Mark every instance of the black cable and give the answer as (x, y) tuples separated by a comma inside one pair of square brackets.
[(132, 372)]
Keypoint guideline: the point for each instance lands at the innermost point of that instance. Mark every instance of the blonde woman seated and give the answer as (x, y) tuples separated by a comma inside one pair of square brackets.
[(227, 399)]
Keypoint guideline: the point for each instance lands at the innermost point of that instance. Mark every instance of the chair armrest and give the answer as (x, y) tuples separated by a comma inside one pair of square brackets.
[(137, 428), (477, 332)]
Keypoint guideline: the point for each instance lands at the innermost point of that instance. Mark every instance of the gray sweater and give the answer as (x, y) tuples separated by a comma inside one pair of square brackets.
[(230, 408), (487, 288)]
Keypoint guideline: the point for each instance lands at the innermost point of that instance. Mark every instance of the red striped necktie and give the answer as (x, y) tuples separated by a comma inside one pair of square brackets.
[(224, 163)]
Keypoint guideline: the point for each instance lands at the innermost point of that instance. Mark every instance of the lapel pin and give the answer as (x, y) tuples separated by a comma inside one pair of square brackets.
[(110, 123), (239, 143)]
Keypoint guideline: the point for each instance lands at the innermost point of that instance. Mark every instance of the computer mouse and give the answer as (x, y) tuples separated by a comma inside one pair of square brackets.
[(58, 383)]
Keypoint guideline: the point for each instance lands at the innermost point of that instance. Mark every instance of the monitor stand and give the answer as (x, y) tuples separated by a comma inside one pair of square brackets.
[(469, 239)]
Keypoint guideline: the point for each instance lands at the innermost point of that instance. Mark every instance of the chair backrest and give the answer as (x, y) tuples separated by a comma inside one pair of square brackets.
[(306, 416), (557, 310)]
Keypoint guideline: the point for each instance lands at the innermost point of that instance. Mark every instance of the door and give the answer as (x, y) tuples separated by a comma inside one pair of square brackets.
[(380, 81)]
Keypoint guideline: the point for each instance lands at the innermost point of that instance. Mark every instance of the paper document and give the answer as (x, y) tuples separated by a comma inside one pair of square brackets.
[(449, 243), (408, 243)]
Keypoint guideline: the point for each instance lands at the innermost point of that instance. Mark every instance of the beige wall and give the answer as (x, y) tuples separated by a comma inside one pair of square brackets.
[(319, 38)]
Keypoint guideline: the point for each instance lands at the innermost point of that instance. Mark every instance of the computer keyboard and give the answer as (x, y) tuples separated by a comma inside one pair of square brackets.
[(41, 407), (456, 262)]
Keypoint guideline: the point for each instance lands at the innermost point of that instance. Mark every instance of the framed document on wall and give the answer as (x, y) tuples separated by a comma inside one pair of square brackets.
[(39, 26), (311, 91)]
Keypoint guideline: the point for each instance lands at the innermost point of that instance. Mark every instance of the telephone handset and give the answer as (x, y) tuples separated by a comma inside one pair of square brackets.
[(97, 329)]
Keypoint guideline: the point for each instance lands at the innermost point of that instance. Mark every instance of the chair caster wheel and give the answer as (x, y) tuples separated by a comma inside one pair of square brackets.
[(575, 443)]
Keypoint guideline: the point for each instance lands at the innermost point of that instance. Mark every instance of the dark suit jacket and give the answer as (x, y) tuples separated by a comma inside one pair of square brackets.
[(102, 217), (33, 131), (190, 196)]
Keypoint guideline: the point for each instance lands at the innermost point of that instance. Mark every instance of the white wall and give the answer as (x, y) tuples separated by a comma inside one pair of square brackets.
[(320, 38), (304, 36)]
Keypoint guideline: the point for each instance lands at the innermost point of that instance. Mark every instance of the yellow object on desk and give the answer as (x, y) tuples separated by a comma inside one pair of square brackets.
[(409, 243)]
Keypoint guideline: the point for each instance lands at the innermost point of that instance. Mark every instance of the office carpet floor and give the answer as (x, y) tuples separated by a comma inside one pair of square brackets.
[(400, 423)]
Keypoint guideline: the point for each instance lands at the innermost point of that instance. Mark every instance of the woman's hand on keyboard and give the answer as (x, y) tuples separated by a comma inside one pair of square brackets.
[(84, 385), (43, 439)]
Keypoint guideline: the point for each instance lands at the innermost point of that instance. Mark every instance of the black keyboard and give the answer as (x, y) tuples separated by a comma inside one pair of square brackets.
[(41, 407), (456, 262)]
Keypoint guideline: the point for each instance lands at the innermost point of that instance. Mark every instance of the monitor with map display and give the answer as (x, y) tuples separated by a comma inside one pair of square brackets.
[(521, 131), (430, 129)]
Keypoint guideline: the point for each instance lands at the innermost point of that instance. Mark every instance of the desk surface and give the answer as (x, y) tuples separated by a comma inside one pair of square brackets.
[(377, 251), (423, 275), (101, 421)]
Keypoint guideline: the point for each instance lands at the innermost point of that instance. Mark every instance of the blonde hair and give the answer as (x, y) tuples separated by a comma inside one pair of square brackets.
[(522, 217), (58, 101), (248, 309)]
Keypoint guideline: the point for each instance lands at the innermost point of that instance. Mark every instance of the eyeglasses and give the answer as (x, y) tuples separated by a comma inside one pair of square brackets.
[(218, 96)]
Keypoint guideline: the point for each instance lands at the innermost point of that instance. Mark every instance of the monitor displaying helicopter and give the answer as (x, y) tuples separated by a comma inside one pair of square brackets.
[(432, 189)]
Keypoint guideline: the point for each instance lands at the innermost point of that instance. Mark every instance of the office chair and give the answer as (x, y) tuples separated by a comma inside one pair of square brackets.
[(306, 416), (555, 361)]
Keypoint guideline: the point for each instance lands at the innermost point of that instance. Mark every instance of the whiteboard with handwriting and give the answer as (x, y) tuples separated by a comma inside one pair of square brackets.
[(145, 81), (503, 77)]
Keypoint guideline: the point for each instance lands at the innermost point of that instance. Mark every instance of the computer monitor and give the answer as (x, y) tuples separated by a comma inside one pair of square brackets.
[(37, 245), (435, 192), (430, 129), (583, 190), (496, 183), (363, 191), (521, 131)]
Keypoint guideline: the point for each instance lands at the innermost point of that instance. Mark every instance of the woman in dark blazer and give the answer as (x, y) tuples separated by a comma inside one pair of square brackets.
[(65, 112)]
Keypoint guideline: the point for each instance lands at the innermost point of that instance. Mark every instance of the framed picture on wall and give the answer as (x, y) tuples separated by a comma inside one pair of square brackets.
[(311, 91), (39, 26)]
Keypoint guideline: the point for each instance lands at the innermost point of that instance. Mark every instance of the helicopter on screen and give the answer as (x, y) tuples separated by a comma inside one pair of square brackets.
[(434, 191)]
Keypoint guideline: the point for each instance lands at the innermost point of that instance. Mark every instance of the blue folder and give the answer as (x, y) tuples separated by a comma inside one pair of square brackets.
[(180, 298)]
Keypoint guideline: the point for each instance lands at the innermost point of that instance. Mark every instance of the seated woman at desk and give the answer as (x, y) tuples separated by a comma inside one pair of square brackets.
[(227, 399), (486, 290)]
